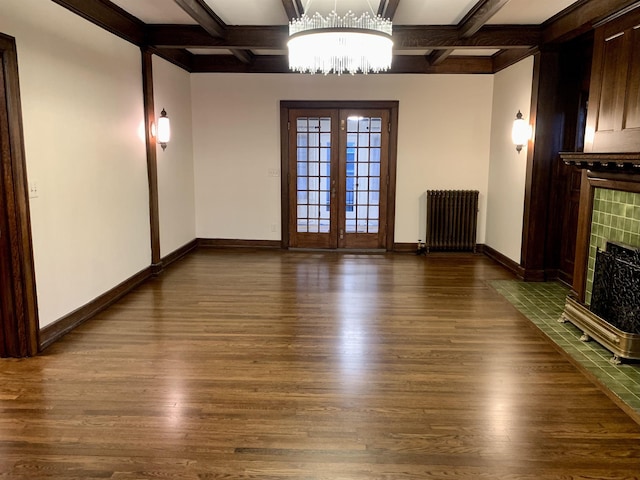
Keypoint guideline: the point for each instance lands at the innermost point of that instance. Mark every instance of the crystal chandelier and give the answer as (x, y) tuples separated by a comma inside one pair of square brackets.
[(336, 44)]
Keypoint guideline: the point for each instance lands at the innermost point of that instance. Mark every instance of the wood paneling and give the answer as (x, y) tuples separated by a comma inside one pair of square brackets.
[(613, 123), (245, 364), (542, 155), (632, 106)]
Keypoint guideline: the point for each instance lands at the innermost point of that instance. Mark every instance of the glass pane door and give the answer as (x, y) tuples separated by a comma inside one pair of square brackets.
[(313, 211), (339, 162), (364, 139)]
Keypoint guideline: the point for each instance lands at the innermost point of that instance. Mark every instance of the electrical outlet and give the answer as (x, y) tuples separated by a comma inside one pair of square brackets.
[(273, 172), (33, 189), (273, 227)]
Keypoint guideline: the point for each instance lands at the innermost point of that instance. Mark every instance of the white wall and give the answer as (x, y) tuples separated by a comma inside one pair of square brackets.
[(81, 92), (443, 143), (172, 91), (507, 169)]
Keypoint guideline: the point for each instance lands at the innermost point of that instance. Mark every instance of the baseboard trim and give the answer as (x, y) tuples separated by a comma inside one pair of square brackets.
[(503, 260), (236, 243), (405, 247), (58, 329), (179, 253)]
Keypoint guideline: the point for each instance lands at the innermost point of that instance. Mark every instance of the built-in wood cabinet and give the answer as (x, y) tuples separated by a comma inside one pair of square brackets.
[(613, 123)]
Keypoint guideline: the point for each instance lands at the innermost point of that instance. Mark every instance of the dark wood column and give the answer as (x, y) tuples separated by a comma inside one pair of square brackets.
[(19, 329), (542, 154), (152, 165)]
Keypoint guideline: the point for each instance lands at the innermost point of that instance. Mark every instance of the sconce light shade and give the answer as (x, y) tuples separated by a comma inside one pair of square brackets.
[(164, 129), (520, 132)]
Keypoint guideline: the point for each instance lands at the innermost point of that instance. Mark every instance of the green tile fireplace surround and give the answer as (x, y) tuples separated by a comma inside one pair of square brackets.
[(616, 217)]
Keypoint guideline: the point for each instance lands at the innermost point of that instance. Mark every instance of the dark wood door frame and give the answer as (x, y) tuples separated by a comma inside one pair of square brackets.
[(390, 105), (19, 329)]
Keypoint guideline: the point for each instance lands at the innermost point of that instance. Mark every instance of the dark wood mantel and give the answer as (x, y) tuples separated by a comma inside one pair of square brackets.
[(620, 162)]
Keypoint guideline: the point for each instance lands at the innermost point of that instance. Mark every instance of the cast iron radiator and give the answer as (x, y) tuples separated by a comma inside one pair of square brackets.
[(452, 220)]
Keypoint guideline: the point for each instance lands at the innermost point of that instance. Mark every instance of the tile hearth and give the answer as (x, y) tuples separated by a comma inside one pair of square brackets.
[(543, 303)]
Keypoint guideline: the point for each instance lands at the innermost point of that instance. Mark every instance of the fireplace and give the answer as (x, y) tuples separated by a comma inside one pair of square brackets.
[(605, 301)]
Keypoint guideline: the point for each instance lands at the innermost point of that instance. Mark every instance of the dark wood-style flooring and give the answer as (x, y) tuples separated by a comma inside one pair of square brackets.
[(241, 364)]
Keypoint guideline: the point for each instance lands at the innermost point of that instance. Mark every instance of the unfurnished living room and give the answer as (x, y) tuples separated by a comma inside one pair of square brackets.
[(320, 239)]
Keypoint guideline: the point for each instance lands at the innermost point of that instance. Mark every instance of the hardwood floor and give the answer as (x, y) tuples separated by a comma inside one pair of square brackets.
[(240, 364)]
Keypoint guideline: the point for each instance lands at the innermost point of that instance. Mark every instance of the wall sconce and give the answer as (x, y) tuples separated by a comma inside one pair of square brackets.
[(520, 132), (163, 131)]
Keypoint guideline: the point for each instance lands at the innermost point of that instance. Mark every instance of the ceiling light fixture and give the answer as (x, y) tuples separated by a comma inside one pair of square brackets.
[(336, 44)]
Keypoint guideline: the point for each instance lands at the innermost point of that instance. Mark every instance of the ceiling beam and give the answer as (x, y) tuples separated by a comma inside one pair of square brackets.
[(506, 58), (479, 15), (201, 13), (108, 16), (387, 8), (473, 21), (293, 8), (580, 18), (404, 37), (400, 64), (438, 56)]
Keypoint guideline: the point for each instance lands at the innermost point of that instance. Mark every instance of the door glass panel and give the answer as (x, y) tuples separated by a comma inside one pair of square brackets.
[(362, 179), (314, 171)]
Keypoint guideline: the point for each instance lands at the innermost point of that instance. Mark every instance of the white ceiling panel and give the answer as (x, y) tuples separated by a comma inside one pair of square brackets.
[(433, 12), (249, 12), (155, 11), (529, 12)]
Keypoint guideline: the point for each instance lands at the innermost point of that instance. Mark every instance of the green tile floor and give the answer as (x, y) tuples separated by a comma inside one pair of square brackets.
[(543, 303)]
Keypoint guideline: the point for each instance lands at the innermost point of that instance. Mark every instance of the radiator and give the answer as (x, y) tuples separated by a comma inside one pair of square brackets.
[(452, 218)]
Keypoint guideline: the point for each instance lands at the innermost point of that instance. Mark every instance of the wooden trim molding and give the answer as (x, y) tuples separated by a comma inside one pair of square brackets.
[(58, 329), (179, 253), (18, 309), (152, 161), (407, 247), (236, 243), (503, 260)]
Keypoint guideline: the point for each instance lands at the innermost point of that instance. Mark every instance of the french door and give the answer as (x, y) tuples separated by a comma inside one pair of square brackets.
[(338, 182)]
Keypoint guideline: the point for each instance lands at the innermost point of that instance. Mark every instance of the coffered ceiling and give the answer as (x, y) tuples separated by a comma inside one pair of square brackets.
[(430, 36)]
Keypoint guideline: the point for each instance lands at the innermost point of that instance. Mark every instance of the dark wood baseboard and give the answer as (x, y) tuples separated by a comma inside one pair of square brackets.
[(179, 253), (405, 247), (503, 260), (531, 275), (230, 242), (64, 325)]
